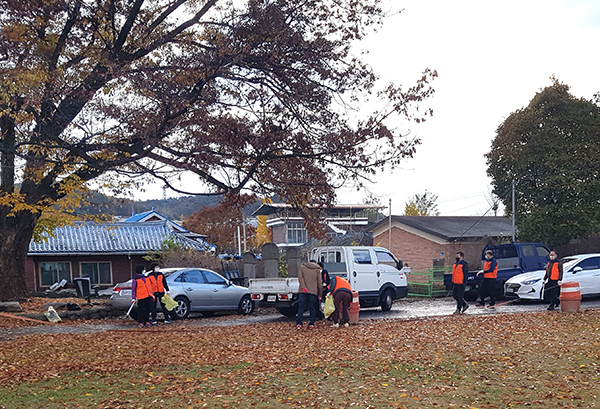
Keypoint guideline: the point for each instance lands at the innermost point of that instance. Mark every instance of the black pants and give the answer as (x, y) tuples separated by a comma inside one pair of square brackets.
[(458, 292), (307, 302), (144, 306), (162, 306), (552, 290), (488, 288)]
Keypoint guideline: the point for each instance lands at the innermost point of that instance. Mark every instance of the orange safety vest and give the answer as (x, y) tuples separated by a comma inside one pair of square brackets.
[(486, 266), (159, 283), (554, 273), (152, 280), (339, 284), (458, 275), (143, 289)]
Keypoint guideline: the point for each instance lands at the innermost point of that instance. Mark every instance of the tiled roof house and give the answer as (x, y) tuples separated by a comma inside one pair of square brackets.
[(106, 253)]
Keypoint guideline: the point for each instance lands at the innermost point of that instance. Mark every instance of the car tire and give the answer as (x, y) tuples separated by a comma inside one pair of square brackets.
[(386, 301), (183, 308), (246, 305)]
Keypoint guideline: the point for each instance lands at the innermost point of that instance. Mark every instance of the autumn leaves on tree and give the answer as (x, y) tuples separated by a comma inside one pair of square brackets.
[(255, 95)]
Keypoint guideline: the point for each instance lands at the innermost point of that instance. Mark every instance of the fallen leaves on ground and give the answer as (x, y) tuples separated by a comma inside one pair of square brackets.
[(470, 361)]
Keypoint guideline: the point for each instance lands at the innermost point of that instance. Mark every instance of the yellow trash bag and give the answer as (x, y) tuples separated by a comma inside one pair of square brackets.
[(169, 302), (329, 306)]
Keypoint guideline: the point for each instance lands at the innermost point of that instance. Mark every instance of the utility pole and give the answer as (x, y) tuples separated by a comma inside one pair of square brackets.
[(513, 210), (390, 227), (245, 248)]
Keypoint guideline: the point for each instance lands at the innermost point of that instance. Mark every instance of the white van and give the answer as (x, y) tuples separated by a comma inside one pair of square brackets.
[(374, 272)]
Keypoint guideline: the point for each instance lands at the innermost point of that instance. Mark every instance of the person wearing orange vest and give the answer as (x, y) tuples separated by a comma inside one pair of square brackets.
[(553, 279), (460, 272), (159, 286), (341, 292), (490, 273), (141, 290)]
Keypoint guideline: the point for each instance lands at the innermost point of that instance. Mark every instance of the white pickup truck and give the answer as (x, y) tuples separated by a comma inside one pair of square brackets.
[(374, 272)]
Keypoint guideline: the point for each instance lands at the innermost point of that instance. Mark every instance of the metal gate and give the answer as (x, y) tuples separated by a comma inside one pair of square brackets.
[(427, 283)]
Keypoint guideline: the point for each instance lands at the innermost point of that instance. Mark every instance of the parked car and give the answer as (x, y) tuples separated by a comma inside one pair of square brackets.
[(583, 268), (194, 289)]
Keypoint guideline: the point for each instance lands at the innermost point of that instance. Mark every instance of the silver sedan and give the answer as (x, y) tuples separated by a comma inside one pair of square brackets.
[(194, 289)]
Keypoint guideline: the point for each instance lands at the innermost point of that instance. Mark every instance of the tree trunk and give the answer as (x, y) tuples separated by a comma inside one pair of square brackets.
[(15, 234)]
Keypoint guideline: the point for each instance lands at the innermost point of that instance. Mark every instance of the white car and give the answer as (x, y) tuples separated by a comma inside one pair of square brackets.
[(583, 268)]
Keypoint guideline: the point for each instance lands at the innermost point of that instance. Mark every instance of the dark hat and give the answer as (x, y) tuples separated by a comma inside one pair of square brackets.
[(139, 269)]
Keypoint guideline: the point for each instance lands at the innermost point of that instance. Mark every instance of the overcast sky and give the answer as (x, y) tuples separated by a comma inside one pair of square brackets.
[(491, 57)]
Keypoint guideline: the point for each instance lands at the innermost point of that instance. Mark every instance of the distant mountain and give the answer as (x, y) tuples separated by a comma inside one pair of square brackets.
[(177, 208)]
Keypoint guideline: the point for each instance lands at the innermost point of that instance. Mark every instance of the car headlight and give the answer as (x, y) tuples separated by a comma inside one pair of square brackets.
[(531, 282)]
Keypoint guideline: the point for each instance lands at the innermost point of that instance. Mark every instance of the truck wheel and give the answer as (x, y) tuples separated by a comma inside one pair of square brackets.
[(386, 301), (246, 305), (183, 308), (289, 311)]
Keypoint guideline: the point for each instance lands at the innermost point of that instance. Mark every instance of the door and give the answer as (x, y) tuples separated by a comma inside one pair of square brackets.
[(386, 268), (196, 289), (543, 256), (529, 260), (587, 274), (218, 289), (363, 278)]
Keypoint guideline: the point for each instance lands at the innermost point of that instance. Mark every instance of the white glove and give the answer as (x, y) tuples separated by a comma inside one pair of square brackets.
[(559, 282)]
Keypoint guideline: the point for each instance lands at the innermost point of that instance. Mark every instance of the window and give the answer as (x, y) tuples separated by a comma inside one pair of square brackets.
[(192, 276), (296, 233), (385, 258), (213, 278), (543, 252), (97, 272), (331, 257), (589, 264), (528, 251), (506, 251), (55, 272), (362, 256)]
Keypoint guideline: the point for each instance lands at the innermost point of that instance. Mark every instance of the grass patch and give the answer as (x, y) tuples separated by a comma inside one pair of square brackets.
[(517, 360)]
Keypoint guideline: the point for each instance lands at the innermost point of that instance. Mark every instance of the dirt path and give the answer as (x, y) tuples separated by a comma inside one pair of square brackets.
[(402, 310)]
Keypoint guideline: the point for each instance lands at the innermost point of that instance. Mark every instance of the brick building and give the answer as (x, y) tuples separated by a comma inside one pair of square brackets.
[(419, 240)]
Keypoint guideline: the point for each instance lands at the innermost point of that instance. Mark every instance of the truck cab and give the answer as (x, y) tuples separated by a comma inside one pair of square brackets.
[(374, 272)]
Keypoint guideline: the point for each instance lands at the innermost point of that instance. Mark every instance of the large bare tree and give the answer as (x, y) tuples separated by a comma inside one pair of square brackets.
[(256, 94)]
